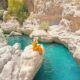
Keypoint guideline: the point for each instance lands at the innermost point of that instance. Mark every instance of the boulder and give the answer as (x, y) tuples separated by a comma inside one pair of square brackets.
[(2, 39), (15, 34), (10, 25), (26, 31), (30, 62), (46, 39), (29, 25), (38, 33), (16, 64)]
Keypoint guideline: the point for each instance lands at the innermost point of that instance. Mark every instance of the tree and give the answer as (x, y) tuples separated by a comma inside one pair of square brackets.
[(18, 9)]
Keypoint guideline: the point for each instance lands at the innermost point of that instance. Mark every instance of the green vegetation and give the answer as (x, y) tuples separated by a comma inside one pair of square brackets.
[(14, 6), (18, 9), (1, 5), (1, 10), (1, 14), (44, 25)]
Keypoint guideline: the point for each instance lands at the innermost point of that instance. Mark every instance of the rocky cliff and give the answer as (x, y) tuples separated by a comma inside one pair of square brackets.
[(56, 10), (16, 64)]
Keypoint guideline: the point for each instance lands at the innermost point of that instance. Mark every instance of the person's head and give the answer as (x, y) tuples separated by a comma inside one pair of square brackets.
[(35, 39)]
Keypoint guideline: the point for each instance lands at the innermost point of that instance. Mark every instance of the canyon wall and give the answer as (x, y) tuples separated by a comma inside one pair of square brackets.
[(54, 11)]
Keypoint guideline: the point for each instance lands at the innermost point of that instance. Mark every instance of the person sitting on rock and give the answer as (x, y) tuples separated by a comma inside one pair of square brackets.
[(34, 44), (37, 47)]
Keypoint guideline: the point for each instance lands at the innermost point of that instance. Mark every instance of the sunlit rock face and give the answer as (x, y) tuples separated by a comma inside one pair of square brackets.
[(30, 5), (47, 10), (9, 26), (71, 12), (17, 65), (56, 10), (68, 38)]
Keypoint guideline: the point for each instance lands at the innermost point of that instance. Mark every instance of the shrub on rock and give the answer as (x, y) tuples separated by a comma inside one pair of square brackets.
[(18, 9), (44, 25)]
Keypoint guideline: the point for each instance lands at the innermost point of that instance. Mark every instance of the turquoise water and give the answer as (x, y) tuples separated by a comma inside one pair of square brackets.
[(23, 40), (58, 63)]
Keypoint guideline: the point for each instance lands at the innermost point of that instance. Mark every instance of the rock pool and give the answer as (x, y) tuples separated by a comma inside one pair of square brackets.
[(58, 63)]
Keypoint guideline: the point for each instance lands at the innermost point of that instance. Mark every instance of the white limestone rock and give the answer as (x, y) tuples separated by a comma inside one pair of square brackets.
[(2, 39), (26, 30), (16, 64), (10, 25), (29, 25), (7, 71), (29, 63), (38, 33), (15, 34), (67, 38)]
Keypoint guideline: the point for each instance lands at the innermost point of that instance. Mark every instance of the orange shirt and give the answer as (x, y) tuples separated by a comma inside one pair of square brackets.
[(37, 47)]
